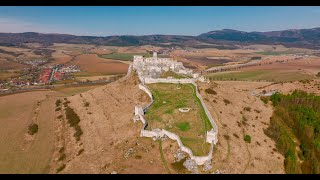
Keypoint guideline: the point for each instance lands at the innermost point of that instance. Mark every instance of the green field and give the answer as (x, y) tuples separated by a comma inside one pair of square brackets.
[(174, 75), (122, 56), (272, 53), (262, 75), (190, 126), (278, 53), (126, 56), (90, 74)]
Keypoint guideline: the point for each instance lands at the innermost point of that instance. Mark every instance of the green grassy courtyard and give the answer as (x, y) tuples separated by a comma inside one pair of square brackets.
[(190, 126), (174, 75)]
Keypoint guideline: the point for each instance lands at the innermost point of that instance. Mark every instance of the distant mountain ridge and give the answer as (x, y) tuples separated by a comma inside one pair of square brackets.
[(225, 38)]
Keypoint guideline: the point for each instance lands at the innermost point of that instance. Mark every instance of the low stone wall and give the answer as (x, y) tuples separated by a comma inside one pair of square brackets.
[(150, 134), (157, 134), (214, 131), (146, 90), (129, 70), (200, 160)]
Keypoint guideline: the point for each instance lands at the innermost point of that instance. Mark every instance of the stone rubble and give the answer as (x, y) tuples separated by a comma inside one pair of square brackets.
[(129, 153), (164, 138), (217, 172), (179, 156), (207, 166), (191, 166)]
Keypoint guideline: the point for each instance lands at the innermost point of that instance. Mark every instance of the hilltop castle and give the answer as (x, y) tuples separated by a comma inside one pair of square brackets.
[(153, 67)]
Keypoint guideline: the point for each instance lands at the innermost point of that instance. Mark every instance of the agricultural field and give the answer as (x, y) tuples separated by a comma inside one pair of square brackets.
[(122, 56), (91, 63), (7, 74), (126, 56), (273, 53), (283, 51), (263, 75), (190, 126), (7, 65), (74, 49), (93, 76), (59, 57)]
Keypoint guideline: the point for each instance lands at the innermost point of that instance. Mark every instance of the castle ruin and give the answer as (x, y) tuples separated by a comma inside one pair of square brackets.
[(149, 71)]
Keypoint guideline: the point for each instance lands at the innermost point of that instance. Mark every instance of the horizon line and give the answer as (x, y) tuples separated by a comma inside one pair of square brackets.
[(157, 34)]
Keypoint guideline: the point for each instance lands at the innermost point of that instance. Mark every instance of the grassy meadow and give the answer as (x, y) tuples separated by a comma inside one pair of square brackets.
[(190, 126)]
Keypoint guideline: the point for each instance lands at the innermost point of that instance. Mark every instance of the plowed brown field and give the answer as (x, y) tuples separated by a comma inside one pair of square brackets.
[(92, 63)]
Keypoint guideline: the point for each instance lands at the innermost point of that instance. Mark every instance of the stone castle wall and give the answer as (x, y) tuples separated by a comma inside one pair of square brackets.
[(129, 70), (211, 136), (160, 133), (157, 134), (167, 80)]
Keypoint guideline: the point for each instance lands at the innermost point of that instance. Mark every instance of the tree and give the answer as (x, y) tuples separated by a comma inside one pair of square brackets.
[(32, 129), (247, 138)]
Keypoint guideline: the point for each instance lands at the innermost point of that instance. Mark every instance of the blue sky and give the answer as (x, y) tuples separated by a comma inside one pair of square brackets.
[(134, 20)]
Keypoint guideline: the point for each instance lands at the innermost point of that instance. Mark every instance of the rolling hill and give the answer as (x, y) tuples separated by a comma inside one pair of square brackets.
[(225, 38)]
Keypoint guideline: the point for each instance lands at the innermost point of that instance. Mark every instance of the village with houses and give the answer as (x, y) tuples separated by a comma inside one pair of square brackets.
[(39, 76)]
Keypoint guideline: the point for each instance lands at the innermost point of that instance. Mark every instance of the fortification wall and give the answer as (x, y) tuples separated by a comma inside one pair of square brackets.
[(157, 133), (129, 70), (200, 160), (146, 90), (166, 80), (142, 119), (150, 134), (214, 131)]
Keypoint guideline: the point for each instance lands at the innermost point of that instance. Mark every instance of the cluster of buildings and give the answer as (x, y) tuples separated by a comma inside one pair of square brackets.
[(69, 69), (15, 82), (154, 67), (38, 76), (56, 73), (35, 62), (45, 75)]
